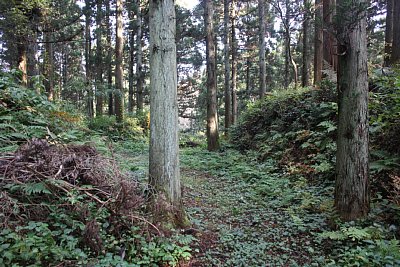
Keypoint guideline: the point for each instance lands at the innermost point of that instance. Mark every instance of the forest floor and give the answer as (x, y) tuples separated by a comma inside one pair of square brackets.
[(235, 223)]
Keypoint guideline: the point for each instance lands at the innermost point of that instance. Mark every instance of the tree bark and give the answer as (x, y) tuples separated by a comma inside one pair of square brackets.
[(139, 58), (49, 67), (305, 77), (164, 174), (395, 58), (212, 116), (329, 43), (388, 32), (234, 64), (119, 49), (99, 60), (318, 42), (109, 60), (287, 45), (33, 62), (262, 63), (22, 62), (90, 108), (227, 87), (352, 189), (131, 91)]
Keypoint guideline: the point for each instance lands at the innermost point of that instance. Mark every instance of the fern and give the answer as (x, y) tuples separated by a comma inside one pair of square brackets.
[(353, 233)]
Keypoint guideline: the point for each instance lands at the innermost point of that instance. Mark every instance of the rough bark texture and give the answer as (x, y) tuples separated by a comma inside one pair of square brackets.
[(352, 190), (395, 58), (318, 42), (99, 60), (109, 60), (227, 87), (388, 31), (139, 59), (262, 63), (305, 77), (119, 47), (212, 116), (164, 149)]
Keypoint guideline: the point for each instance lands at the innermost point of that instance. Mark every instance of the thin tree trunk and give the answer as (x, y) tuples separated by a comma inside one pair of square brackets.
[(22, 62), (352, 189), (131, 60), (90, 109), (318, 42), (305, 77), (329, 43), (388, 32), (212, 116), (119, 49), (49, 67), (33, 66), (234, 64), (99, 60), (164, 172), (287, 45), (227, 88), (395, 58), (248, 66), (109, 60), (262, 63), (139, 58)]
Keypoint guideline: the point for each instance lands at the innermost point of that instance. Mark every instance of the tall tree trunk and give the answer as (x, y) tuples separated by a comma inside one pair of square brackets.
[(99, 60), (49, 66), (286, 22), (234, 64), (248, 66), (305, 77), (139, 58), (262, 63), (395, 58), (131, 59), (388, 32), (33, 62), (164, 150), (22, 62), (119, 50), (318, 42), (212, 116), (288, 54), (329, 43), (352, 190), (227, 87), (90, 108), (109, 60)]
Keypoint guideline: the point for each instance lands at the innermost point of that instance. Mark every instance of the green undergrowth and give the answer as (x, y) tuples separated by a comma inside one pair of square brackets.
[(265, 216), (294, 133), (24, 114), (69, 196)]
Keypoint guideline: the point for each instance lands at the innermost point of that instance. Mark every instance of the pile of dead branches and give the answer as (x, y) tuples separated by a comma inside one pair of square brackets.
[(39, 175)]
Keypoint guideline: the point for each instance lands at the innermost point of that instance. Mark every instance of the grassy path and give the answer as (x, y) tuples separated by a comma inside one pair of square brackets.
[(246, 214), (243, 213)]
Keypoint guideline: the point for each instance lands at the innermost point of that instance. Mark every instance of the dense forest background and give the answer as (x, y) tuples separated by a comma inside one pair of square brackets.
[(288, 115)]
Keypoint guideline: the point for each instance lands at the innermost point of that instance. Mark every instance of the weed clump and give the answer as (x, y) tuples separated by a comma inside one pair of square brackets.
[(69, 204)]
